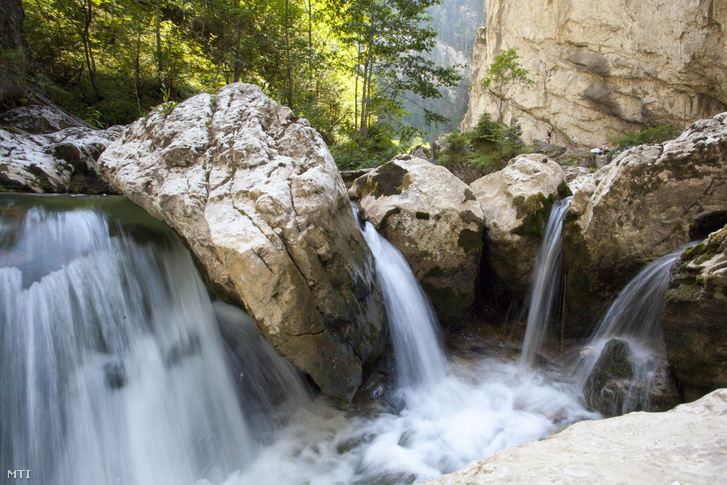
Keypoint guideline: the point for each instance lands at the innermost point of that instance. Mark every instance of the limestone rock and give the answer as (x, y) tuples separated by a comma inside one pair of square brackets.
[(516, 203), (59, 162), (694, 319), (685, 445), (603, 69), (258, 199), (640, 210), (434, 219)]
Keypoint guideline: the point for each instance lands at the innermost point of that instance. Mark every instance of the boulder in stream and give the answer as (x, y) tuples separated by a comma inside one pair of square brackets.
[(255, 194), (434, 219), (59, 162), (641, 209), (516, 202), (622, 382)]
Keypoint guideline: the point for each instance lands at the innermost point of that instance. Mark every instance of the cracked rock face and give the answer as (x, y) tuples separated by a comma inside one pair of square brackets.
[(258, 199), (516, 203), (603, 69), (434, 219), (640, 210), (60, 162)]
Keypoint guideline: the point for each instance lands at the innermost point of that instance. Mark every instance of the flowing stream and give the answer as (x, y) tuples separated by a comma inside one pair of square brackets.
[(117, 368), (545, 285)]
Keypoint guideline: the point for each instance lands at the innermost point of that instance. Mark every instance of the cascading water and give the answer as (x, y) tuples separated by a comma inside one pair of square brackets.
[(545, 284), (415, 332), (113, 371), (633, 321), (112, 367)]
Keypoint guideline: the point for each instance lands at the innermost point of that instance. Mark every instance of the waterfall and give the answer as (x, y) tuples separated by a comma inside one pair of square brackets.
[(633, 321), (415, 331), (117, 369), (545, 284), (111, 363)]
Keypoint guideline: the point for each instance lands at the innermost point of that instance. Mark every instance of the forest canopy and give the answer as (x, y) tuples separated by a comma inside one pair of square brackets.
[(343, 64)]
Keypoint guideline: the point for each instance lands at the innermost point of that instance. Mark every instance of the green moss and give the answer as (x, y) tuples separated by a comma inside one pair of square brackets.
[(469, 240), (448, 303), (564, 191), (389, 179), (422, 215), (382, 225), (434, 272), (536, 210), (694, 251)]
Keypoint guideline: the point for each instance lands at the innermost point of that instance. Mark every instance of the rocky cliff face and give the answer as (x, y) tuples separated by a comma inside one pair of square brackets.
[(604, 68)]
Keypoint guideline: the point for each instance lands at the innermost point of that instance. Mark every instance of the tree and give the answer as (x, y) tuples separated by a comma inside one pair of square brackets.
[(504, 73), (388, 38)]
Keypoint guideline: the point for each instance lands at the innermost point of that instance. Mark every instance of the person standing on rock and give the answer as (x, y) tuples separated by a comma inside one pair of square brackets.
[(575, 143), (547, 138)]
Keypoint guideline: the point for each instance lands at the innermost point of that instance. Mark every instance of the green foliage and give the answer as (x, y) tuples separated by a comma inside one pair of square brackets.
[(490, 144), (344, 65), (657, 134), (504, 73)]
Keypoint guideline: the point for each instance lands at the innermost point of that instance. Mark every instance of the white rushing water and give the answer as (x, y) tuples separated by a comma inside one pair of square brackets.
[(454, 413), (415, 331), (112, 367), (114, 372), (545, 285)]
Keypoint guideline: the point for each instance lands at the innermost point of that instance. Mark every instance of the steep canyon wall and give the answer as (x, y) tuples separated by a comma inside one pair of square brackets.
[(604, 68)]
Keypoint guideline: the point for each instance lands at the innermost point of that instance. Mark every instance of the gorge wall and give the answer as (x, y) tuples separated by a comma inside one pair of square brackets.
[(604, 68)]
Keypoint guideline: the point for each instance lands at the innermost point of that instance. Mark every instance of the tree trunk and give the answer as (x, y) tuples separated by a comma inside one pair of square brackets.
[(160, 64), (88, 48), (289, 91), (14, 56), (238, 38)]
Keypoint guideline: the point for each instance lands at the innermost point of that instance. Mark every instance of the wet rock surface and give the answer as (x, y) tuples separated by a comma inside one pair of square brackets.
[(516, 203), (59, 162), (694, 320)]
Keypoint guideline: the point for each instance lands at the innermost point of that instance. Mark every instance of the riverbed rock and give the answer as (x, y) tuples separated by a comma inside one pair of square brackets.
[(434, 219), (39, 119), (516, 203), (622, 382), (694, 319), (685, 445), (60, 162), (641, 209), (258, 199), (603, 68)]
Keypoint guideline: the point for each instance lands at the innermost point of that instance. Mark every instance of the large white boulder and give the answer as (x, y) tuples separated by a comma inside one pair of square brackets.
[(257, 197)]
